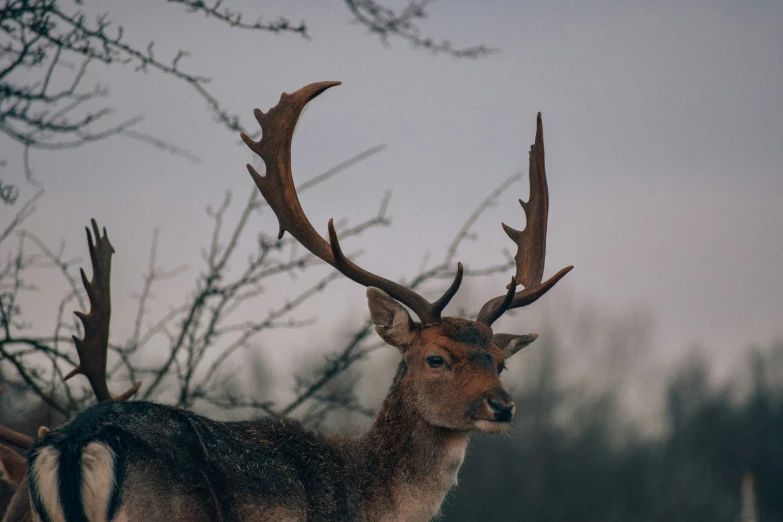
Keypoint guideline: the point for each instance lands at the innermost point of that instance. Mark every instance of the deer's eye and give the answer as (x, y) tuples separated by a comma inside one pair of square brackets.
[(435, 361)]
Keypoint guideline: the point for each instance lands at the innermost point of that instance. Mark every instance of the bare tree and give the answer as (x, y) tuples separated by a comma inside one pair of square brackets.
[(44, 104)]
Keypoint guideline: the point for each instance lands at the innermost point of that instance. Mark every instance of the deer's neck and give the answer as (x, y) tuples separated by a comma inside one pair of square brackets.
[(408, 465)]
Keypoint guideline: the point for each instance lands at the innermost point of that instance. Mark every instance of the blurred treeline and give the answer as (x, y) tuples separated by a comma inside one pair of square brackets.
[(596, 464)]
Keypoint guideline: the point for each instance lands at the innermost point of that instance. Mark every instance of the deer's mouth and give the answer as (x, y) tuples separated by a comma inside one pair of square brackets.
[(491, 426)]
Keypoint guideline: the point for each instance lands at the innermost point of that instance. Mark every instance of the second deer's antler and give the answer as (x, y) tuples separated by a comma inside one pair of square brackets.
[(277, 187), (93, 348)]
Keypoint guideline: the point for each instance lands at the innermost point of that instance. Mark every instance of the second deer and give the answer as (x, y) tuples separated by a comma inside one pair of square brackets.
[(140, 461)]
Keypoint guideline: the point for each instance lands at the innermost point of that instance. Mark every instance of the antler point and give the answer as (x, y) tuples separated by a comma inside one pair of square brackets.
[(332, 231), (75, 371), (255, 175), (248, 141), (95, 229), (128, 394), (85, 281), (334, 244), (511, 232), (259, 114)]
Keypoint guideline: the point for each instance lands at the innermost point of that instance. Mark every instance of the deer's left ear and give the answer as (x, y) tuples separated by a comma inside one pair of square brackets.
[(511, 344)]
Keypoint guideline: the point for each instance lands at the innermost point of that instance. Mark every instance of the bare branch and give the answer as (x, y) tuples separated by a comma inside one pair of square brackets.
[(234, 18), (386, 22)]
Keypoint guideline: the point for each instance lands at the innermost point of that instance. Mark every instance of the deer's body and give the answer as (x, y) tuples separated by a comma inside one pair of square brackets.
[(134, 462), (170, 465)]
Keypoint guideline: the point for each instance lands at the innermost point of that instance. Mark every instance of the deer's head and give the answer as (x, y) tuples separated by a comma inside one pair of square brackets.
[(451, 366), (451, 369)]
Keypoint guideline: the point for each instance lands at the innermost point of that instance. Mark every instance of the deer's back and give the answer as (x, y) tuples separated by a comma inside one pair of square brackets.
[(168, 464)]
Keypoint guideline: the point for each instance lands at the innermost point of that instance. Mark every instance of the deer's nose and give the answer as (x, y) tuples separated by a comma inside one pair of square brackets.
[(501, 405)]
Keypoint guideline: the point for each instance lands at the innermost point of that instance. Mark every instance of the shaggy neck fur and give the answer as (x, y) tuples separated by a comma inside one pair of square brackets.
[(408, 465)]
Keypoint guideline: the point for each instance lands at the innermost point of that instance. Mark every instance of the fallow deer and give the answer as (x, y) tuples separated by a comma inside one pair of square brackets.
[(140, 461)]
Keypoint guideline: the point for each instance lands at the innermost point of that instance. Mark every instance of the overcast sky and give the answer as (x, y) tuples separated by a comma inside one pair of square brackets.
[(664, 142)]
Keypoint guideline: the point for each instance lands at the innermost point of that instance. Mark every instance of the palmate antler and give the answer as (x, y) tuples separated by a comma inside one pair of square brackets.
[(93, 348), (531, 242), (277, 187)]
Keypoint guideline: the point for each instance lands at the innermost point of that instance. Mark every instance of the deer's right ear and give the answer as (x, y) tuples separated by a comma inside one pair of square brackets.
[(391, 319)]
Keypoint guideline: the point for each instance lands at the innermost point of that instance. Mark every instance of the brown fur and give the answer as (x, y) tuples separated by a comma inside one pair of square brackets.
[(409, 465)]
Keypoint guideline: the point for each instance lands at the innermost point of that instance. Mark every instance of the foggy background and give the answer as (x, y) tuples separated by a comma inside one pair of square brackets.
[(663, 126)]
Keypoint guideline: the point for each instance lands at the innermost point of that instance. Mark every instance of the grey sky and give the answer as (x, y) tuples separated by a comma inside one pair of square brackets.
[(664, 136)]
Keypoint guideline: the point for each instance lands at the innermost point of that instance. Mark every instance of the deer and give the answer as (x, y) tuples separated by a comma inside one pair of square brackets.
[(127, 461)]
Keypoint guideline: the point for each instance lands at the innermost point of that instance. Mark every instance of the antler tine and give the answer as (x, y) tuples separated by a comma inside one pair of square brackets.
[(93, 348), (277, 187), (495, 312), (441, 303), (531, 242)]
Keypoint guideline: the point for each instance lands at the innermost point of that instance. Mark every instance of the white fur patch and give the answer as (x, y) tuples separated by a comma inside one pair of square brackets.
[(45, 476), (422, 502), (97, 480), (454, 459)]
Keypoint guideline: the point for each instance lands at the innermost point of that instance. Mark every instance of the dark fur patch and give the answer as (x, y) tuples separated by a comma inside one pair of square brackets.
[(467, 332), (69, 477), (483, 360)]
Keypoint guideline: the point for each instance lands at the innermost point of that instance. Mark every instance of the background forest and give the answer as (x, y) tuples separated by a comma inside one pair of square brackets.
[(656, 385)]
